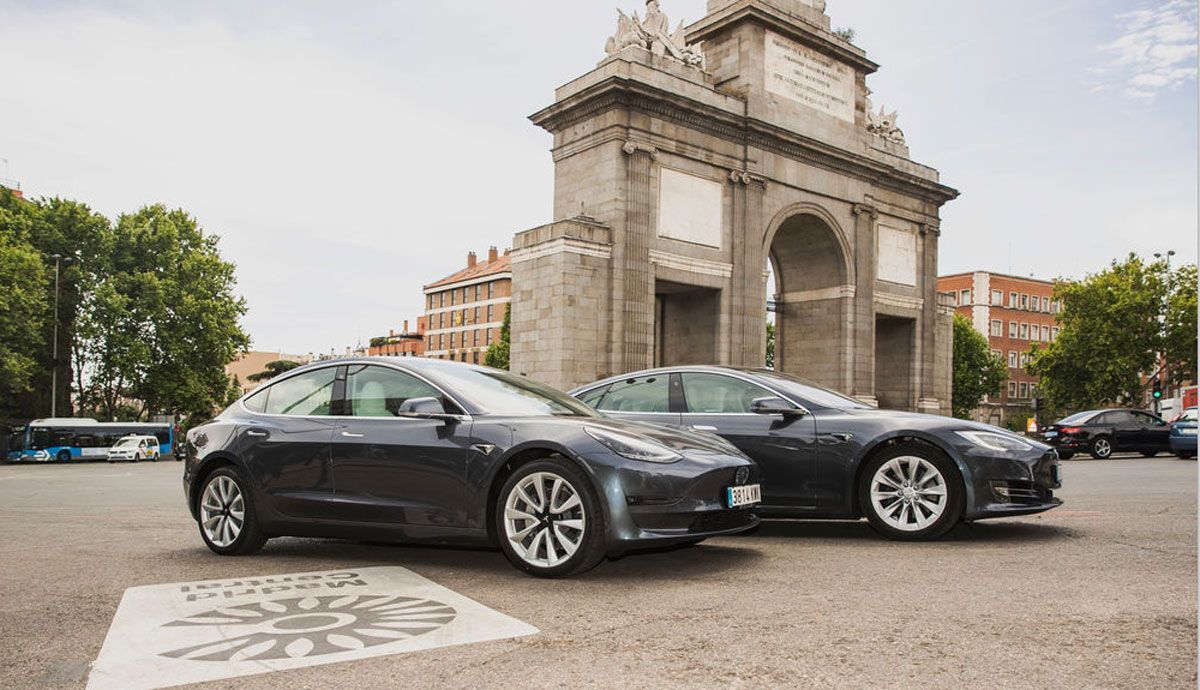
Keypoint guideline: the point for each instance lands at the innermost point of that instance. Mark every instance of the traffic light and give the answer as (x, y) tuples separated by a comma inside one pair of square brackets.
[(1158, 389)]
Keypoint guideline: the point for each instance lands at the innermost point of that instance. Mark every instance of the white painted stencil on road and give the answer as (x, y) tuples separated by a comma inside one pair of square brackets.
[(167, 635)]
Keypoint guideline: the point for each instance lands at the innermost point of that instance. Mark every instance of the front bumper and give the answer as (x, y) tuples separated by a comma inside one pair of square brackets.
[(1183, 444), (659, 505), (1013, 486)]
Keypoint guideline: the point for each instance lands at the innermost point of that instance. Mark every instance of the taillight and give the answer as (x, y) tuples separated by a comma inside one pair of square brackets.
[(1072, 430)]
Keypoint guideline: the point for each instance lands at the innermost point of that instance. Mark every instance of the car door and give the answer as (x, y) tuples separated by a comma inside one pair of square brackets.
[(783, 447), (640, 398), (285, 442), (1155, 434), (1126, 430), (398, 470)]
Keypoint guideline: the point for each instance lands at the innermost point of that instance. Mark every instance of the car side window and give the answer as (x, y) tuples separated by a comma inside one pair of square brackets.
[(1120, 419), (306, 395), (644, 394), (1148, 419), (716, 394), (258, 401), (373, 391)]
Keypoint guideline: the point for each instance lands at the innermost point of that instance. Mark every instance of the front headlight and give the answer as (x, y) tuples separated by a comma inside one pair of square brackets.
[(633, 447), (996, 442)]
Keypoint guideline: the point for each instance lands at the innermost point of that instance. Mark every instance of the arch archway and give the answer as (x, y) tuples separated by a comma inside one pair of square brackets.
[(812, 296)]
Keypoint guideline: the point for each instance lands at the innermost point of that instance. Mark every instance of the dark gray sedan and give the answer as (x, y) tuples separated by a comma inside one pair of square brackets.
[(426, 451), (825, 455)]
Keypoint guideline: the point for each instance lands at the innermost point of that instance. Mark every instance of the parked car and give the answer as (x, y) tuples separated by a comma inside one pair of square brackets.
[(135, 449), (444, 452), (825, 455), (1101, 433), (1183, 435)]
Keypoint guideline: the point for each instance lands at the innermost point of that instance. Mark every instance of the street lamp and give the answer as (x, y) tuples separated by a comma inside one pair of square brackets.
[(1166, 367), (59, 259)]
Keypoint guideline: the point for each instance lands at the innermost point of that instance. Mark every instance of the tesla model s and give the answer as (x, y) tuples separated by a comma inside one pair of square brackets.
[(429, 451), (825, 455)]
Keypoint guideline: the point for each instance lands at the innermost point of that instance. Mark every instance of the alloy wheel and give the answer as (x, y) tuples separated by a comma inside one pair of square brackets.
[(909, 493), (544, 520), (222, 511), (1103, 448)]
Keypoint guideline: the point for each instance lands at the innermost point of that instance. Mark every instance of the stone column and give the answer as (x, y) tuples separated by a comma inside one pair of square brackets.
[(749, 330), (863, 314), (926, 393), (635, 309)]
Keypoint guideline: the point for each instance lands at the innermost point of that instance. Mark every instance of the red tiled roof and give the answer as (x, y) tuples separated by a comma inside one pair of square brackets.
[(502, 264)]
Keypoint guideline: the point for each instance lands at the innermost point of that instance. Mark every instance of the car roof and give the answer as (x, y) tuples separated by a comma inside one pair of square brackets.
[(702, 368)]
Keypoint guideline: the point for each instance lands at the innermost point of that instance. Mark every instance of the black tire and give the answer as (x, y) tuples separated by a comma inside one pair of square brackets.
[(63, 456), (1185, 455), (1149, 453), (251, 538), (1101, 447), (137, 458), (1065, 456), (955, 499), (593, 545)]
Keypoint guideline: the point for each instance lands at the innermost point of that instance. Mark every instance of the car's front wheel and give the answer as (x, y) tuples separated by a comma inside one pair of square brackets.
[(1065, 456), (1149, 453), (911, 492), (228, 522), (1102, 448), (548, 520)]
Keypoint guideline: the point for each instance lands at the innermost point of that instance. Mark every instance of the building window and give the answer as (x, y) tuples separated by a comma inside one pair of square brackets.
[(1012, 300), (489, 313), (997, 328), (997, 298), (1024, 359), (1012, 330), (1045, 334), (1046, 304), (442, 342), (1024, 391), (476, 314), (1012, 389), (453, 338), (1012, 359), (491, 290), (1024, 331), (1054, 333), (487, 337), (998, 354), (1024, 302), (466, 299), (964, 297), (478, 291), (453, 297), (430, 345)]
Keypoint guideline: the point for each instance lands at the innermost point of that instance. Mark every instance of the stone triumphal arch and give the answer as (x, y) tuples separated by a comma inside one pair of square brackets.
[(689, 167)]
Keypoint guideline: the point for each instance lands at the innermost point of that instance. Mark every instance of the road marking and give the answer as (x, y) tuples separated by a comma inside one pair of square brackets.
[(167, 635)]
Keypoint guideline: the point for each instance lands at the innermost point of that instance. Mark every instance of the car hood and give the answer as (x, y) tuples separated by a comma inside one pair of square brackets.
[(676, 438), (936, 424)]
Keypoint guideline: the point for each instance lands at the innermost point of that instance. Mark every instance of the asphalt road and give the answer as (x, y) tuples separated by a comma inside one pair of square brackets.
[(1101, 593)]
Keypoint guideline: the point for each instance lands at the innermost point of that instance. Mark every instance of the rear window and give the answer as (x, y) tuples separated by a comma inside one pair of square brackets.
[(1080, 418)]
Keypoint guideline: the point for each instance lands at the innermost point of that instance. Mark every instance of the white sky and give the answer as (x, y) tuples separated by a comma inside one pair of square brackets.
[(348, 153)]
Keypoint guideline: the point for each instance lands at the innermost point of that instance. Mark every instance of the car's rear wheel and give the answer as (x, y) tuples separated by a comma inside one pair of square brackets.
[(1102, 448), (1149, 453), (1183, 455), (227, 519), (911, 492), (548, 520)]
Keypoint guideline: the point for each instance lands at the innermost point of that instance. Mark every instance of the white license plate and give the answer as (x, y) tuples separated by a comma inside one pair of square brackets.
[(740, 496), (1051, 434), (1188, 432)]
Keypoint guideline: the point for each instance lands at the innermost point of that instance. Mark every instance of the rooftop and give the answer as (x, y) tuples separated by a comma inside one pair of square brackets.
[(495, 265)]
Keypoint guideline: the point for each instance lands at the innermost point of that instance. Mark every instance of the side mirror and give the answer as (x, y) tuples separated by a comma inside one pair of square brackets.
[(424, 408), (775, 406)]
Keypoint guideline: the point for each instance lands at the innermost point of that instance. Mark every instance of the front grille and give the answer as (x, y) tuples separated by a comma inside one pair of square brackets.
[(1021, 492)]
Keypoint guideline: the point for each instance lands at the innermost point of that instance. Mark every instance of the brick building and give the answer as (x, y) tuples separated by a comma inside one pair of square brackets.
[(464, 311), (1014, 314), (406, 343)]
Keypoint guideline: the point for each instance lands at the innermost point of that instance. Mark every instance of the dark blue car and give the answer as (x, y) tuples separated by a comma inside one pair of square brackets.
[(1183, 435)]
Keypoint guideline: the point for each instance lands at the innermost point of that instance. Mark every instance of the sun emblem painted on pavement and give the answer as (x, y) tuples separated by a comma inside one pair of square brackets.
[(311, 626)]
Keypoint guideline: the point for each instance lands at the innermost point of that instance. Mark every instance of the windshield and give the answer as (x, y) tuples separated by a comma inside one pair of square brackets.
[(810, 392), (1078, 418), (502, 393), (126, 442)]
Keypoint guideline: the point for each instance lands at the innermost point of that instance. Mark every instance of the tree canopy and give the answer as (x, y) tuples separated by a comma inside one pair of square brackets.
[(273, 369), (1113, 333), (978, 372), (497, 352)]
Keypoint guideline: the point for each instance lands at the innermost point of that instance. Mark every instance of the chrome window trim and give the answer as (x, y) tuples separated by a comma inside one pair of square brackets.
[(465, 417), (693, 370)]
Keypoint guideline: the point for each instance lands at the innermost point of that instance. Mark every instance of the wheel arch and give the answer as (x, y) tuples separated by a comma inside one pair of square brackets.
[(210, 464), (883, 444), (524, 454)]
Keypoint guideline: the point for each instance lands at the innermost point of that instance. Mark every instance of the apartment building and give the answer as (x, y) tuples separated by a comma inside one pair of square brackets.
[(406, 343), (1014, 314), (465, 311)]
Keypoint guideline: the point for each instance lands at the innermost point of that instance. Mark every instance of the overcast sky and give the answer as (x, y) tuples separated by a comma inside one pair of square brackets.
[(348, 153)]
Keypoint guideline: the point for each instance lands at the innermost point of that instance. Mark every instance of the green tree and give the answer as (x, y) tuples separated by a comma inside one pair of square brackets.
[(497, 353), (770, 345), (1111, 333), (272, 369), (1180, 345), (163, 322), (978, 372), (23, 309)]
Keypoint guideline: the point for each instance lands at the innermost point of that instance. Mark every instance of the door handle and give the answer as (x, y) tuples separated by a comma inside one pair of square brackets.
[(711, 429), (347, 434), (257, 433)]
